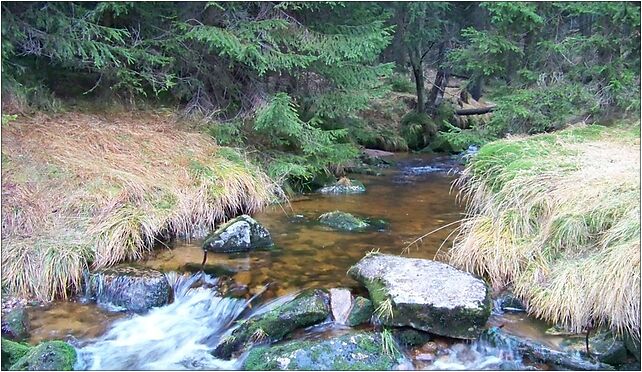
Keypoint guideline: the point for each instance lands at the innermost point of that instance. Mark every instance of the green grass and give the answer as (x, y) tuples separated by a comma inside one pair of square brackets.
[(556, 216)]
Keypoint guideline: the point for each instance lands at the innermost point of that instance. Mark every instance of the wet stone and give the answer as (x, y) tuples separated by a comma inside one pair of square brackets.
[(361, 312), (425, 295), (50, 355), (15, 324), (354, 351), (602, 345), (343, 221), (129, 288), (344, 186), (308, 308), (240, 234), (341, 304)]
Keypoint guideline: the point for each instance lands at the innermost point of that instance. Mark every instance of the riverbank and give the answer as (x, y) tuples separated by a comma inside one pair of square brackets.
[(556, 218), (87, 190)]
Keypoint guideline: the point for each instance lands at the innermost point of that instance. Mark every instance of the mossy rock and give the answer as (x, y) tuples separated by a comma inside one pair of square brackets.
[(50, 355), (240, 234), (130, 288), (410, 337), (308, 308), (12, 352), (355, 351), (602, 345), (361, 312), (15, 324), (343, 221)]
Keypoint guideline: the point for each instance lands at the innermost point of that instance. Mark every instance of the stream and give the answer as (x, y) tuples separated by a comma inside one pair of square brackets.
[(414, 196)]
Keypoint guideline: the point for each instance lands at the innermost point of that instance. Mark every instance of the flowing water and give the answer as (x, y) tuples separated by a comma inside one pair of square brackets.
[(414, 197)]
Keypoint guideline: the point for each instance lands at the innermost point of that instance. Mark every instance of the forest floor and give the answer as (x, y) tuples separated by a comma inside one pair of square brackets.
[(557, 218), (91, 190)]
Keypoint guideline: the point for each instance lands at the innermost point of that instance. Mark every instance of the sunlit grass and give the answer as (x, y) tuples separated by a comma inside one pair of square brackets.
[(557, 216), (82, 190)]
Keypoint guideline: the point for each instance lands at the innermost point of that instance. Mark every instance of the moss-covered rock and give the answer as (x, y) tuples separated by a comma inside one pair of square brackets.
[(602, 345), (12, 352), (357, 351), (361, 312), (130, 288), (344, 186), (15, 324), (308, 308), (240, 234), (410, 336), (538, 352), (425, 295), (343, 221), (50, 355)]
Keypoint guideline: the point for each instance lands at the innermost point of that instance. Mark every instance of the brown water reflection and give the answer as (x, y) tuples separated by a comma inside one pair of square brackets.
[(309, 254)]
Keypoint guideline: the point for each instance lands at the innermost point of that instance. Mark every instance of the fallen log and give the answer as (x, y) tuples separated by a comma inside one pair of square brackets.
[(475, 111)]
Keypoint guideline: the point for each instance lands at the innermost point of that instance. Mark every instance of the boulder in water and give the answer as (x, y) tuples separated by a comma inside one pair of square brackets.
[(240, 234), (410, 336), (308, 308), (602, 345), (343, 221), (361, 312), (12, 352), (340, 304), (355, 351), (538, 352), (344, 186), (632, 345), (425, 295), (49, 356), (130, 288), (15, 324), (507, 301)]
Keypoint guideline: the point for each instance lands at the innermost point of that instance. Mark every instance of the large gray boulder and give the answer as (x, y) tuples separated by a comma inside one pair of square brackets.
[(353, 351), (425, 295), (129, 288), (240, 234)]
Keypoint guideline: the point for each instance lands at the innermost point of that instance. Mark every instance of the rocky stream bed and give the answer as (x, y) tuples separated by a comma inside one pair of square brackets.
[(323, 285)]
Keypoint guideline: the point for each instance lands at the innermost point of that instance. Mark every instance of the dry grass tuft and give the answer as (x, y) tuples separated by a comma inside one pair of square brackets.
[(82, 190), (557, 216)]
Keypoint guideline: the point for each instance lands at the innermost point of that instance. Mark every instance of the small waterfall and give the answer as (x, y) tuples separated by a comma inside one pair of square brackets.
[(479, 355), (180, 335)]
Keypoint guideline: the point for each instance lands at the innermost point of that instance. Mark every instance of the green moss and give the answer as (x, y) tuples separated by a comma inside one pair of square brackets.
[(361, 312), (50, 355), (12, 352)]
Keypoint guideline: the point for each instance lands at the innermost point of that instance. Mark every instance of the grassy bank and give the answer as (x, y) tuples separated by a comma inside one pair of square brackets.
[(83, 191), (557, 217)]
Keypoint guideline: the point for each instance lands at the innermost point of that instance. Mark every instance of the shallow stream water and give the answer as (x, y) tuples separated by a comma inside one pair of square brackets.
[(414, 196)]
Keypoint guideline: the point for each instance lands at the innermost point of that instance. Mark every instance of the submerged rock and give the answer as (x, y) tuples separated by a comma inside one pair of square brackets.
[(356, 351), (12, 352), (240, 234), (50, 356), (129, 288), (308, 308), (538, 352), (344, 186), (425, 295), (15, 324), (410, 336), (361, 312), (602, 345), (343, 221)]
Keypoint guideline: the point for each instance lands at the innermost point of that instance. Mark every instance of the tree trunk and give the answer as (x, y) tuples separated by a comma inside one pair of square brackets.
[(477, 87), (475, 111), (419, 86)]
